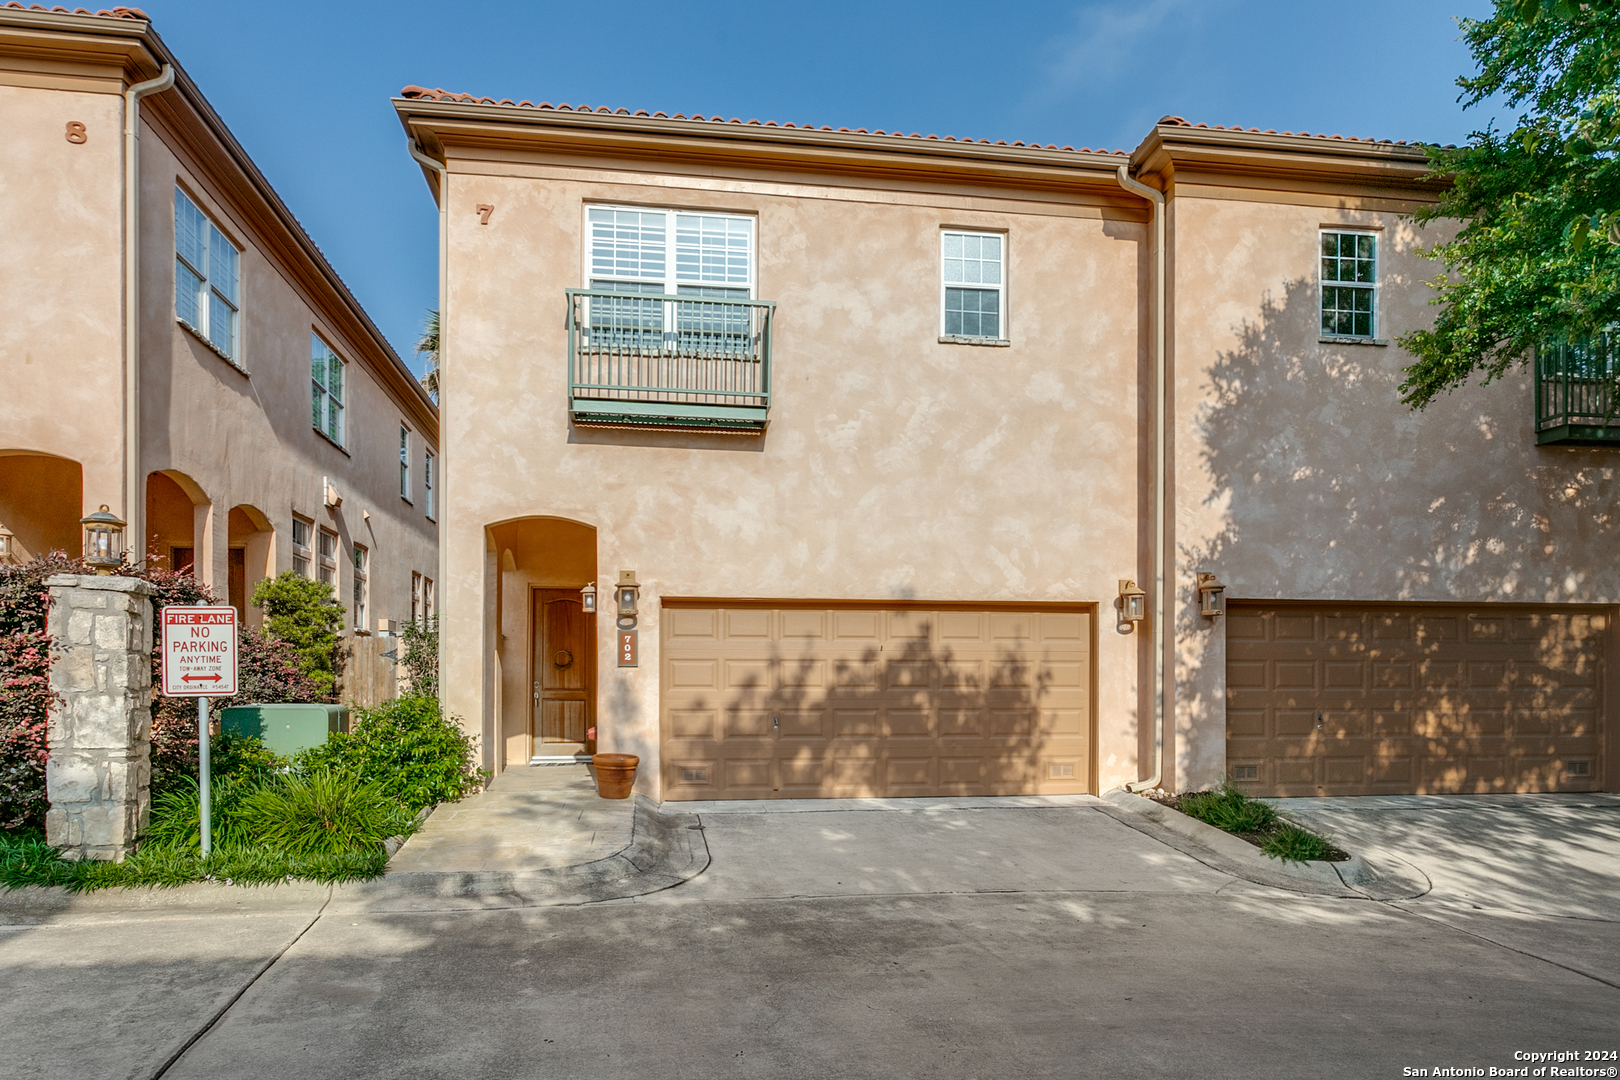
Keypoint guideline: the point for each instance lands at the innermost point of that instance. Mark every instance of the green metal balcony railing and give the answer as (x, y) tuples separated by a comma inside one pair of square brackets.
[(655, 360), (1576, 399)]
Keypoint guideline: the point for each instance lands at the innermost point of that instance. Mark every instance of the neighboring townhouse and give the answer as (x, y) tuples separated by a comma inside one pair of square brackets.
[(213, 382), (854, 439)]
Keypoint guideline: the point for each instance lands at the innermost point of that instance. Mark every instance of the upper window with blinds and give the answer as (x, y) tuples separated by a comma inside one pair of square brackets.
[(674, 252), (206, 269)]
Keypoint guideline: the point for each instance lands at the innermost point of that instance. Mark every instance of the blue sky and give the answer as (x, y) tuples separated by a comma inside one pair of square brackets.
[(306, 86)]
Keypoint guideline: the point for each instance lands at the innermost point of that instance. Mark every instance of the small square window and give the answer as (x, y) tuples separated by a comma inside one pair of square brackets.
[(1349, 280)]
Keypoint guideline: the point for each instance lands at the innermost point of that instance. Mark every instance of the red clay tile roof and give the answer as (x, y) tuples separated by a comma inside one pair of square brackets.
[(106, 13), (1181, 121), (422, 93)]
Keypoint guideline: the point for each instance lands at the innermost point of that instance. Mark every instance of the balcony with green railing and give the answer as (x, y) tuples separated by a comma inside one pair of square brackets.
[(700, 359), (1577, 403)]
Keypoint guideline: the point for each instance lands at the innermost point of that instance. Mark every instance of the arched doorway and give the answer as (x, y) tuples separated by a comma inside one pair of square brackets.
[(177, 523), (250, 540), (547, 644), (41, 501)]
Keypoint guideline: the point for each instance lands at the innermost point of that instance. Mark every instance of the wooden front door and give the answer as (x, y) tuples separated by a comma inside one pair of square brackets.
[(564, 671)]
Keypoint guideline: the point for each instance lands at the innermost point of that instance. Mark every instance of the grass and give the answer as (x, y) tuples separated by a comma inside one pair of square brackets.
[(26, 859), (1230, 810)]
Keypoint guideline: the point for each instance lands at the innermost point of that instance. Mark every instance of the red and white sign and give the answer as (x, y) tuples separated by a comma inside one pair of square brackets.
[(199, 651)]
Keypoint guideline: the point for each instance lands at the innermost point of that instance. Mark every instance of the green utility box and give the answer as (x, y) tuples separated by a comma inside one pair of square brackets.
[(286, 729)]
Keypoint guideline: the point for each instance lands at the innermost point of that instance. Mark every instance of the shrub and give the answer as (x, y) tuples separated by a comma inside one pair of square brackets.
[(419, 655), (1229, 809), (25, 702), (407, 747), (319, 813), (177, 813), (305, 614)]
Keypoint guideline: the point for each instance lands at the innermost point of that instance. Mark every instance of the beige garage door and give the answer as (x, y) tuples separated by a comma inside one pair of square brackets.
[(815, 702), (1408, 699)]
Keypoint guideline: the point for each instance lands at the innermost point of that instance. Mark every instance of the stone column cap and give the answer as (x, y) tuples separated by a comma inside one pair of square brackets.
[(102, 582)]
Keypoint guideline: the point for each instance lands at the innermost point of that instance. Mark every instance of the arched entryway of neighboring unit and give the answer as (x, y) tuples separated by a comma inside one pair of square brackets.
[(547, 645), (251, 541), (177, 523), (41, 501)]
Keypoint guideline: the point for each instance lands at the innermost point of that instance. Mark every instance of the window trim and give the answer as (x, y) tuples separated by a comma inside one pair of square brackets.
[(305, 551), (405, 461), (1376, 287), (670, 282), (1001, 289), (232, 355), (429, 460), (341, 440)]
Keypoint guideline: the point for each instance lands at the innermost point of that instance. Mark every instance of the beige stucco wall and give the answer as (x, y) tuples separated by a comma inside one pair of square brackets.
[(231, 438), (894, 466), (62, 339), (1300, 476)]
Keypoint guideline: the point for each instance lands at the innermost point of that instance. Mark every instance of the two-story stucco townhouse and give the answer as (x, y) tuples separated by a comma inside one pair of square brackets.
[(890, 436), (177, 348)]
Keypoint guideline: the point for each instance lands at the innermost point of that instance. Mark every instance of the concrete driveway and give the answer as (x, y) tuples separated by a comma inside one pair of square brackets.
[(957, 940)]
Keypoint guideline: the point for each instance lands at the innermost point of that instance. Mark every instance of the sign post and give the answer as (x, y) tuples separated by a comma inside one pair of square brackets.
[(199, 660)]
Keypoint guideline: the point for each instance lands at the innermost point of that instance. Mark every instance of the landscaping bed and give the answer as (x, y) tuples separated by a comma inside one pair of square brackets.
[(1257, 822)]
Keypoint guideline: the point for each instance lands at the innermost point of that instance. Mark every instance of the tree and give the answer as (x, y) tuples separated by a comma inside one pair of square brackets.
[(427, 346), (1537, 258), (304, 613), (418, 652)]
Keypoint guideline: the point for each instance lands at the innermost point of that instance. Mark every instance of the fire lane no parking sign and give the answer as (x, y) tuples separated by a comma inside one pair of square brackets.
[(199, 651)]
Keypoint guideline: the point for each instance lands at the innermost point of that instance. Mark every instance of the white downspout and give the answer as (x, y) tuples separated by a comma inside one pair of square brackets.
[(1160, 396), (134, 507), (443, 589)]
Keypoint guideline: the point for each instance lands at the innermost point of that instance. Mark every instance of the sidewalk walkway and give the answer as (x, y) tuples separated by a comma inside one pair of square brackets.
[(531, 817)]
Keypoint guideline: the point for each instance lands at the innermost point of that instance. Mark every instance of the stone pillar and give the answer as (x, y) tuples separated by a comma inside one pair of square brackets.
[(99, 777)]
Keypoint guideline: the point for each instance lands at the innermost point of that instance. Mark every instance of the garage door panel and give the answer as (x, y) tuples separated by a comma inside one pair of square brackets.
[(853, 702), (1449, 699)]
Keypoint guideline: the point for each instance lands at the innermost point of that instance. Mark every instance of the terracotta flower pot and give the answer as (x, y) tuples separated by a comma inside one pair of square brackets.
[(615, 774)]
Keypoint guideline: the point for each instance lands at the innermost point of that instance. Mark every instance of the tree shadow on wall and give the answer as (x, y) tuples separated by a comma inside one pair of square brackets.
[(907, 718)]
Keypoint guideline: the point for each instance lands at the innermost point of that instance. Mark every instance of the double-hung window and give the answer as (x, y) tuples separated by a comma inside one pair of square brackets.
[(405, 463), (708, 258), (428, 478), (416, 598), (326, 390), (206, 271), (1349, 284), (327, 567), (973, 286), (362, 587), (300, 547)]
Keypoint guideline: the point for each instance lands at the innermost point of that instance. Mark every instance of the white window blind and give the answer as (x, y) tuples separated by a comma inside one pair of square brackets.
[(676, 251), (973, 294), (206, 269)]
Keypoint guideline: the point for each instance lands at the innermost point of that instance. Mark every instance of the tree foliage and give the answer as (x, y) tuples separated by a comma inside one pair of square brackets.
[(419, 655), (305, 614), (1537, 257)]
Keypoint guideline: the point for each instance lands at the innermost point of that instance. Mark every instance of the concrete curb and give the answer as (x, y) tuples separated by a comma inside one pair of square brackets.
[(1383, 877), (664, 850), (1221, 850)]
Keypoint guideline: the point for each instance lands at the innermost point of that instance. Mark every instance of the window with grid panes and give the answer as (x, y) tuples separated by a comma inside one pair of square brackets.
[(301, 530), (973, 285), (707, 258), (362, 587), (326, 374), (416, 597), (206, 269), (428, 463), (404, 463), (326, 568), (1349, 284)]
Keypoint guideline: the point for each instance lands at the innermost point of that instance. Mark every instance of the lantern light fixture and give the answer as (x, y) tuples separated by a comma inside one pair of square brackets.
[(1211, 595), (103, 540), (1132, 601), (587, 598), (627, 591)]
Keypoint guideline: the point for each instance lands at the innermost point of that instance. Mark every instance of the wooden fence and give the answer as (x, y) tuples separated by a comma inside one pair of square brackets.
[(370, 675)]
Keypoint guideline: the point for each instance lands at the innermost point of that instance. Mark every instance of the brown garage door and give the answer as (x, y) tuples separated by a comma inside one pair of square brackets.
[(767, 702), (1409, 699)]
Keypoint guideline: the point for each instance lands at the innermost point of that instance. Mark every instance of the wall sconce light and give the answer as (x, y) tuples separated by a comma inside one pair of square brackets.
[(103, 540), (1211, 595), (627, 591), (587, 598), (1132, 601)]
